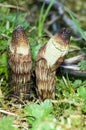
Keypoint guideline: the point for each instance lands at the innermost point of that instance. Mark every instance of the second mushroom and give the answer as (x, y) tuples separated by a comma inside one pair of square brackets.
[(49, 57)]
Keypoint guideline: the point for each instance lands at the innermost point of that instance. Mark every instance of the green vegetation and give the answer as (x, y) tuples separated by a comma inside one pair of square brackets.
[(68, 111), (7, 124), (42, 17), (77, 24), (82, 65)]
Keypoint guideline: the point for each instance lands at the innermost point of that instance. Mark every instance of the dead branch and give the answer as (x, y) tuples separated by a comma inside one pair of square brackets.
[(72, 70), (12, 6), (52, 21), (67, 101), (8, 113), (75, 59), (70, 66)]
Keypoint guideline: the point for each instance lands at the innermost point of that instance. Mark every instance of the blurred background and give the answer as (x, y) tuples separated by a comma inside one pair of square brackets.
[(26, 12)]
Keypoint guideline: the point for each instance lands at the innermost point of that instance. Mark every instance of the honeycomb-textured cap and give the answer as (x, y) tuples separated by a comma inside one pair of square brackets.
[(19, 36), (65, 35)]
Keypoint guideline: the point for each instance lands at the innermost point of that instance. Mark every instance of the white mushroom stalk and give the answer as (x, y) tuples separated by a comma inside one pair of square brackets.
[(49, 57), (20, 62)]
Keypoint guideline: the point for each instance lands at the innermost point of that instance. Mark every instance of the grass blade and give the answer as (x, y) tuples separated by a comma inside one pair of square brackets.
[(43, 16), (77, 24)]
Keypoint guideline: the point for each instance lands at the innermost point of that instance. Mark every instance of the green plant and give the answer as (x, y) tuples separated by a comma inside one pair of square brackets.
[(42, 17), (82, 65), (3, 64), (45, 115), (39, 115), (82, 92), (77, 24), (6, 123), (38, 111)]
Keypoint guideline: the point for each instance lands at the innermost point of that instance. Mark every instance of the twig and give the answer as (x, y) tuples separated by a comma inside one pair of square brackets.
[(72, 51), (71, 67), (73, 70), (5, 36), (67, 101), (7, 113), (65, 81), (75, 59), (52, 21), (79, 39), (12, 6), (48, 33)]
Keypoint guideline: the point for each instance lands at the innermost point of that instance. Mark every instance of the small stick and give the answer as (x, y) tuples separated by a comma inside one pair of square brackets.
[(75, 59), (67, 101), (52, 21), (73, 70), (7, 113), (71, 67), (12, 6)]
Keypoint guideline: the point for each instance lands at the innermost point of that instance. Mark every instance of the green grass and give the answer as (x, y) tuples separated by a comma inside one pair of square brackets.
[(77, 24), (6, 123), (42, 17), (82, 64)]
